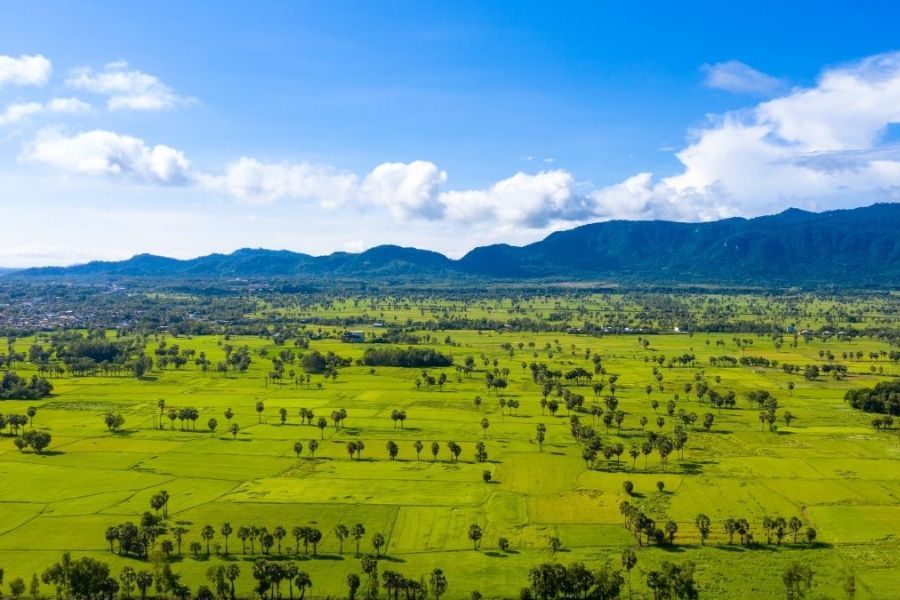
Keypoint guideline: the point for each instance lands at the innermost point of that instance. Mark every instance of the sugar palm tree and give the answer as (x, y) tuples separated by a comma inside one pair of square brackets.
[(207, 533), (303, 582), (226, 530), (341, 532)]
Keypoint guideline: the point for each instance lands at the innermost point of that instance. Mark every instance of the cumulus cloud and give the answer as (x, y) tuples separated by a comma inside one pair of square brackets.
[(255, 182), (523, 200), (816, 147), (127, 88), (735, 76), (24, 70), (406, 189), (18, 112), (108, 154)]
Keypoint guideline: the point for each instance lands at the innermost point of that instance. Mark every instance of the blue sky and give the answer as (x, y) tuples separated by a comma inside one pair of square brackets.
[(185, 128)]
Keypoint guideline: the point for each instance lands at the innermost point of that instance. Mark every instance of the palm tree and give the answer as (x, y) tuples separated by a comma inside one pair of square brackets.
[(299, 533), (475, 534), (322, 424), (341, 532), (418, 446), (279, 532), (232, 572), (435, 448), (358, 531), (484, 426), (290, 571), (302, 581), (313, 446), (226, 530), (260, 407), (298, 449), (629, 560), (795, 525), (112, 534), (438, 583), (634, 452), (314, 536), (179, 532), (234, 430), (243, 535), (207, 533), (352, 585), (144, 580), (703, 526), (378, 543)]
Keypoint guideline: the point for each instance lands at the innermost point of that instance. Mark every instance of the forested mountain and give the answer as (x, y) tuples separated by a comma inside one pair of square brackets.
[(845, 248)]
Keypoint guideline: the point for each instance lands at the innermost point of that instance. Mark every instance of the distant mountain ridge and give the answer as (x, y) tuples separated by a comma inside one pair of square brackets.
[(843, 247)]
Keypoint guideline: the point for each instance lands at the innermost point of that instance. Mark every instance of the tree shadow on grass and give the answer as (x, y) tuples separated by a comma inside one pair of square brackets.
[(328, 557), (129, 432), (495, 554), (201, 557), (231, 557), (730, 548), (691, 468)]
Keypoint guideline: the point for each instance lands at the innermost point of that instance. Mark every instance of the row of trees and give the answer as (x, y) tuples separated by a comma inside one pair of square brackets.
[(16, 422), (645, 530)]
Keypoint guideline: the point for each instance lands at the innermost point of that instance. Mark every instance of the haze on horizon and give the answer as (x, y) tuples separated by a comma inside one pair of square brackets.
[(183, 130)]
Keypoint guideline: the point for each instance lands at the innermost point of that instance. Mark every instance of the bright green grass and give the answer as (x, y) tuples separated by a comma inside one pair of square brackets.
[(829, 467)]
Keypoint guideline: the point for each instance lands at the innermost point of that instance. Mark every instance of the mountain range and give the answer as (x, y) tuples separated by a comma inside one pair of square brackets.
[(843, 248)]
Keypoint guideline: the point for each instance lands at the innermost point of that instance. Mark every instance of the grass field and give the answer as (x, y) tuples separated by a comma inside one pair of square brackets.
[(829, 467)]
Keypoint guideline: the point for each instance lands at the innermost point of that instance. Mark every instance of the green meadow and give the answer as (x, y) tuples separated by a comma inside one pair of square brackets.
[(829, 467)]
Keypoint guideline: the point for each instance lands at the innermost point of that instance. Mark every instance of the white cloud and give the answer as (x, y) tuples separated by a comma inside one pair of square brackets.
[(406, 190), (255, 182), (24, 70), (68, 105), (105, 153), (816, 148), (735, 76), (522, 200), (17, 112), (127, 88)]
